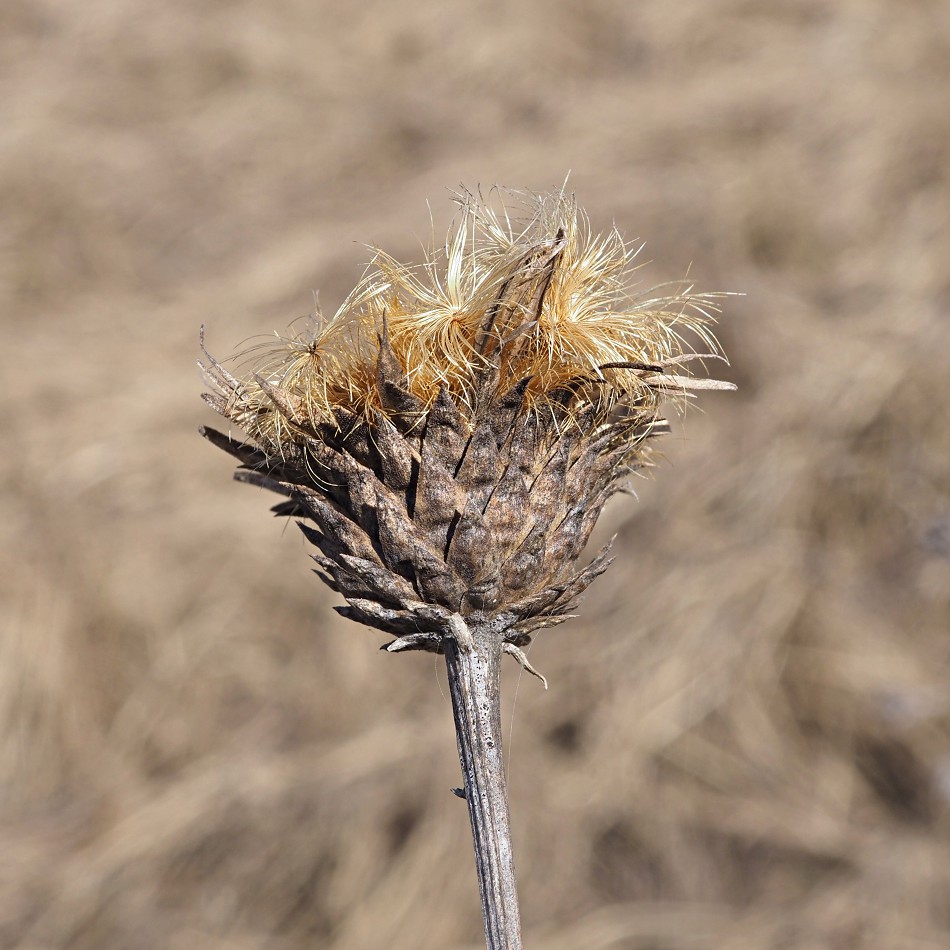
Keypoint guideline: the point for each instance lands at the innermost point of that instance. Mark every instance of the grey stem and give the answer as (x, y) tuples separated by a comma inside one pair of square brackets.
[(473, 659)]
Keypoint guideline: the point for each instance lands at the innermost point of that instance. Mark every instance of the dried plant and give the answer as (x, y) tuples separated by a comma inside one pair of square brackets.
[(448, 439)]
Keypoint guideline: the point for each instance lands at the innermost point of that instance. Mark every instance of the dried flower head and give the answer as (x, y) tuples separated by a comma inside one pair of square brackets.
[(449, 438)]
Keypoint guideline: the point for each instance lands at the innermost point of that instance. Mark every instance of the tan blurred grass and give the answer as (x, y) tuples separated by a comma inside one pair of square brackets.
[(746, 745)]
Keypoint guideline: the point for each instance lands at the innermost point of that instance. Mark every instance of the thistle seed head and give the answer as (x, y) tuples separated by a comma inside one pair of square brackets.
[(449, 437)]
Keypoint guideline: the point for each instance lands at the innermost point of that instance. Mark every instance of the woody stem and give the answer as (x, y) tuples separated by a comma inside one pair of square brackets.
[(473, 658)]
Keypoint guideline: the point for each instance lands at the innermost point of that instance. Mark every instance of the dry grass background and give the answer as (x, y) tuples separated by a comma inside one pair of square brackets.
[(747, 742)]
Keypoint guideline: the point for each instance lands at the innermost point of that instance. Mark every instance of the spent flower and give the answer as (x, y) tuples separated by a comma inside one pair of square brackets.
[(449, 437)]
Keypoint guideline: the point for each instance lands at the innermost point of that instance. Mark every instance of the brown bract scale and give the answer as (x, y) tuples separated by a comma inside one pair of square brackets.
[(448, 439)]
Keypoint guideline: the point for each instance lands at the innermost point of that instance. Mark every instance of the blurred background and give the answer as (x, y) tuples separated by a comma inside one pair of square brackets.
[(747, 739)]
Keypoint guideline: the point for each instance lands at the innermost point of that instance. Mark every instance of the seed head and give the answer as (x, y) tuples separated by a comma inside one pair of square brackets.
[(449, 437)]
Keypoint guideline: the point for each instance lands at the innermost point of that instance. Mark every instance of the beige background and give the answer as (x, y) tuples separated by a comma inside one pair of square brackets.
[(747, 739)]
